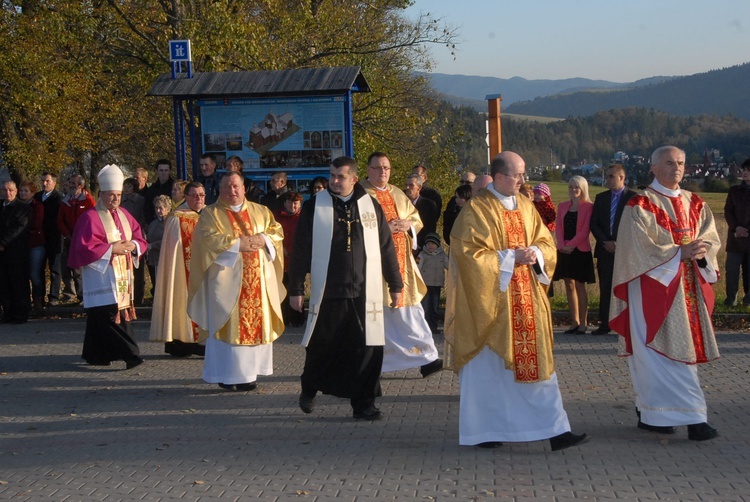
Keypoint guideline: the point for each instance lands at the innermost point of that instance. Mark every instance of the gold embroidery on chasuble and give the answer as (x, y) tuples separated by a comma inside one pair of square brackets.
[(523, 322), (250, 307), (399, 238), (687, 222), (187, 227)]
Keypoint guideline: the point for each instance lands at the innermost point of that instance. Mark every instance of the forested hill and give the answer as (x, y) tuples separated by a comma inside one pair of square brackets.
[(717, 92), (637, 131)]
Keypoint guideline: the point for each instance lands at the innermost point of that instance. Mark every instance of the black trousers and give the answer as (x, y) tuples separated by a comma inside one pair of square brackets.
[(605, 264)]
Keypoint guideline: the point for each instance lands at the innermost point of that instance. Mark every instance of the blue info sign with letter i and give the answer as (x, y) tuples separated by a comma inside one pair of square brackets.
[(179, 50)]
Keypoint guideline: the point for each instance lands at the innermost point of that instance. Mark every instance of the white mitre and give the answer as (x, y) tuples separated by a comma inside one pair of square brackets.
[(110, 178)]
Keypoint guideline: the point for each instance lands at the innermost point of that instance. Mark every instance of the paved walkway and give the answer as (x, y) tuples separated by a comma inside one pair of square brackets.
[(158, 432)]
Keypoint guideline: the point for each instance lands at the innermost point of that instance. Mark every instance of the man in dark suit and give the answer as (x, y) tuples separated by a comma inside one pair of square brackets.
[(428, 192), (428, 211), (50, 198), (605, 220), (14, 255)]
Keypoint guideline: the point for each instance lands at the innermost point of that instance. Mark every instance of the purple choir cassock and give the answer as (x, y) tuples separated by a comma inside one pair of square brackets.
[(107, 283)]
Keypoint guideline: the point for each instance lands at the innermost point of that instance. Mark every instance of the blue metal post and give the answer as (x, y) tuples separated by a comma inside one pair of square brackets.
[(349, 124)]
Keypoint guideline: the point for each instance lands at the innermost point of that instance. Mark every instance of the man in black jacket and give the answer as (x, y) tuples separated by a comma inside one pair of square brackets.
[(15, 295), (50, 198), (345, 243), (428, 211), (162, 186), (737, 214), (605, 219)]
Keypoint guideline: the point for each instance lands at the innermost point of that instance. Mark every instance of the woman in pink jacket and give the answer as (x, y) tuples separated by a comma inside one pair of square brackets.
[(575, 264)]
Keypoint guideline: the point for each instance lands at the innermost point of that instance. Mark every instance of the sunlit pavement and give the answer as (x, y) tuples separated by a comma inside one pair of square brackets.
[(158, 432)]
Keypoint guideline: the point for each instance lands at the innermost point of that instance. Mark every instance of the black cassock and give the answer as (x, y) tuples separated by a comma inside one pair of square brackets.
[(338, 361)]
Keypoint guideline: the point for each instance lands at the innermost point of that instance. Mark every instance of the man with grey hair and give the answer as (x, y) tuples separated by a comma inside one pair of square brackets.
[(15, 217), (662, 298), (428, 211)]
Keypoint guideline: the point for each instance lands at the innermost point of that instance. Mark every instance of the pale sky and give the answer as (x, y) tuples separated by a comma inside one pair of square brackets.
[(617, 40)]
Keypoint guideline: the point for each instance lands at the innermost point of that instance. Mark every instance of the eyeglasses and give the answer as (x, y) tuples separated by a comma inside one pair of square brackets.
[(519, 176)]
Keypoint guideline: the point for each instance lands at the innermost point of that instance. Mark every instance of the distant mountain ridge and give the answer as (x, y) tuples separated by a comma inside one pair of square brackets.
[(716, 92), (471, 90)]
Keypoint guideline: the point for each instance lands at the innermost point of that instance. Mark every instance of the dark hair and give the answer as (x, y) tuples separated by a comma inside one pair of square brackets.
[(48, 173), (342, 161), (618, 168), (377, 155), (192, 184), (232, 173), (746, 164), (464, 191), (209, 156), (319, 179), (132, 182), (499, 165), (292, 196), (165, 162)]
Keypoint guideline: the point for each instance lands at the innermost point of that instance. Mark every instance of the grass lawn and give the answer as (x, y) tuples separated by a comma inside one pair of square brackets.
[(716, 203)]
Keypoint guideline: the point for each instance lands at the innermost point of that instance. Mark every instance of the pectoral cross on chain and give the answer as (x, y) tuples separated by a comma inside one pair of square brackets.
[(348, 220)]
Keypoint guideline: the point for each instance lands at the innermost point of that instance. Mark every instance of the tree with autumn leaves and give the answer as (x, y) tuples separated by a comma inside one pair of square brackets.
[(74, 74)]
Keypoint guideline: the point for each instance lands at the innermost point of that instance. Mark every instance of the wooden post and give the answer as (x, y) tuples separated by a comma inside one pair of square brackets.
[(493, 119)]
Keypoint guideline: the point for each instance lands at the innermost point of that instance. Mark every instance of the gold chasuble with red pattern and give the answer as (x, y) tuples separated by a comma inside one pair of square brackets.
[(188, 220), (396, 205), (516, 323), (236, 296)]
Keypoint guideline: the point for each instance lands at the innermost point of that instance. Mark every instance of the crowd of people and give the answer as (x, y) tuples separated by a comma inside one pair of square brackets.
[(229, 269)]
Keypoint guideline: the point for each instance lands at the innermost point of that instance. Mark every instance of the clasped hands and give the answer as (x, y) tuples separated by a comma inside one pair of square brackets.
[(525, 256), (399, 226), (252, 243), (695, 250), (123, 247)]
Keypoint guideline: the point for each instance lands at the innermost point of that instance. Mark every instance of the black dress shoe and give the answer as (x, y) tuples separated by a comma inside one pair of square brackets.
[(227, 387), (661, 429), (370, 413), (306, 403), (701, 432), (132, 363), (246, 386), (566, 440), (98, 363), (431, 368), (601, 331), (490, 444), (572, 330)]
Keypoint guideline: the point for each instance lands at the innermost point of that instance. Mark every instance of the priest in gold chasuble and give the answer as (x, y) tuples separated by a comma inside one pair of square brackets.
[(663, 299), (408, 337), (498, 324), (235, 286), (170, 322)]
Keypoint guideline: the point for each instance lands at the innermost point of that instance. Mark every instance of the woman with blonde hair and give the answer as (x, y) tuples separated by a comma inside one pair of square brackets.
[(575, 263)]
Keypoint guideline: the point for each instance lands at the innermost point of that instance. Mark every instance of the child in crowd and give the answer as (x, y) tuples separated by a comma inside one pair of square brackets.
[(432, 264)]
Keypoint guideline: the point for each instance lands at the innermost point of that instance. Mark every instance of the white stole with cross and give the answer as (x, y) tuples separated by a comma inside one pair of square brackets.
[(321, 255)]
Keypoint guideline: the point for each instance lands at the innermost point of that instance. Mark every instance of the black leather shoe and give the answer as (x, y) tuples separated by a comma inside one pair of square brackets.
[(370, 413), (661, 429), (306, 403), (601, 331), (246, 386), (701, 432), (431, 368), (572, 330), (129, 365), (227, 387), (566, 440), (490, 444)]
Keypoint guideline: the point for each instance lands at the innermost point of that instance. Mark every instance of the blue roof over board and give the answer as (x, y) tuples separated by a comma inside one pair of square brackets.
[(305, 81)]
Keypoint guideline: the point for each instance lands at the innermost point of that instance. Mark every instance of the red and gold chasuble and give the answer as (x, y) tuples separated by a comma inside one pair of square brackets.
[(187, 227), (399, 238), (250, 302), (523, 323)]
